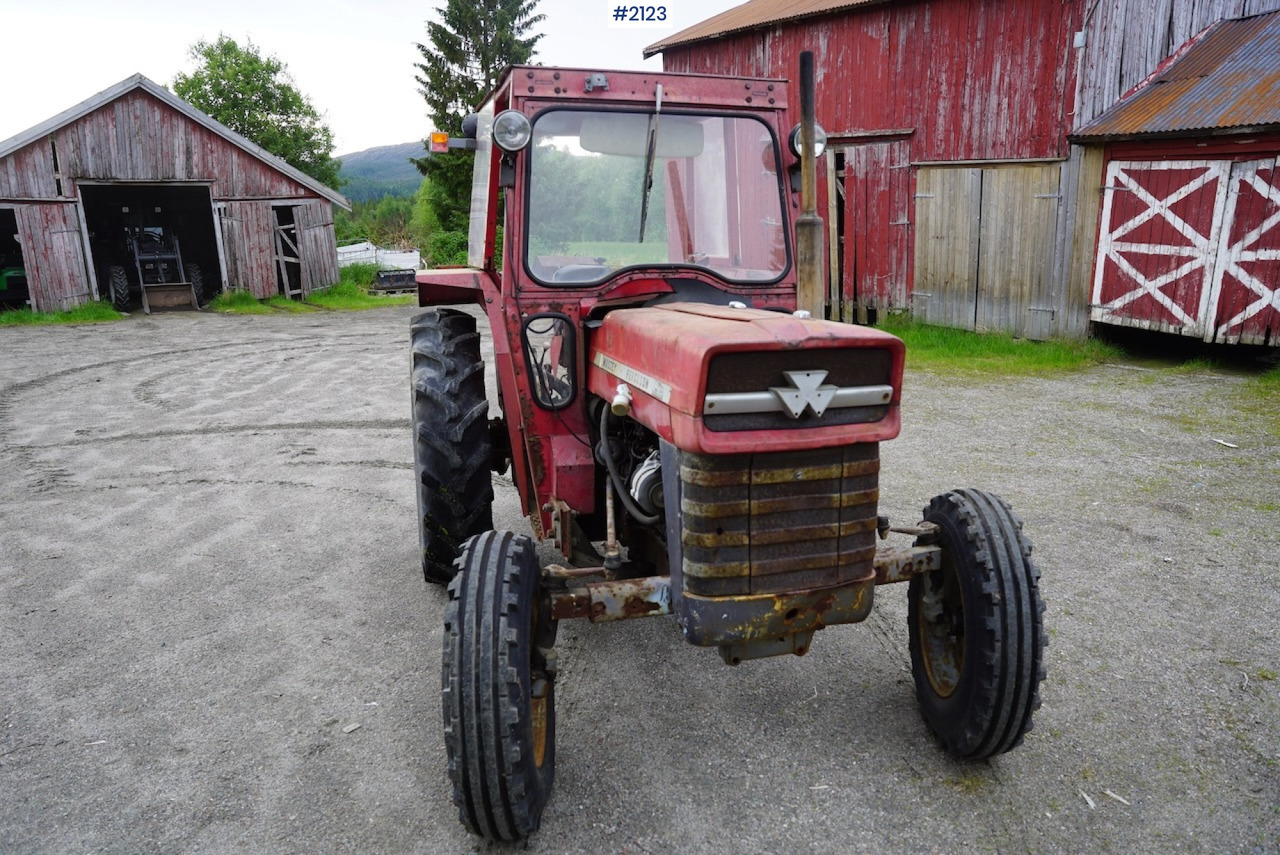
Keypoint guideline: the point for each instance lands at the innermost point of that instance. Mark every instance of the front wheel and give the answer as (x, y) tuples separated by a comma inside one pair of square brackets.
[(977, 627), (118, 287), (196, 279), (498, 688)]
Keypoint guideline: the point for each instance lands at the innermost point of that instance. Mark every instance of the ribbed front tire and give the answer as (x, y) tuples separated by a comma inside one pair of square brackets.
[(498, 689), (977, 627)]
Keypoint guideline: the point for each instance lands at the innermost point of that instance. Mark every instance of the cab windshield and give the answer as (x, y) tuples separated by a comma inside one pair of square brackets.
[(609, 190)]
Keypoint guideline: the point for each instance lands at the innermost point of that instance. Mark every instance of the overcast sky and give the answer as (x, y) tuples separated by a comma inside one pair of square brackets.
[(354, 60)]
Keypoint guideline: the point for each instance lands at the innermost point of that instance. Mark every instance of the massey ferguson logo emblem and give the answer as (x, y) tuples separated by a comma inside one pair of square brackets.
[(805, 393)]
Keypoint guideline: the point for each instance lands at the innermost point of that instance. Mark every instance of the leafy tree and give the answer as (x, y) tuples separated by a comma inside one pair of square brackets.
[(256, 97), (468, 48)]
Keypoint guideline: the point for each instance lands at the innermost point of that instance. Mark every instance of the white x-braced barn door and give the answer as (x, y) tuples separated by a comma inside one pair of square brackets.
[(1191, 247)]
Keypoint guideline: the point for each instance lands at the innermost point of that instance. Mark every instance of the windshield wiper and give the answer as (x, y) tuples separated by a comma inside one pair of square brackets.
[(650, 155)]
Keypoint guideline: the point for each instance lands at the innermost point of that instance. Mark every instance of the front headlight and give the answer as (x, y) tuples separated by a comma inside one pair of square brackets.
[(511, 130), (819, 140)]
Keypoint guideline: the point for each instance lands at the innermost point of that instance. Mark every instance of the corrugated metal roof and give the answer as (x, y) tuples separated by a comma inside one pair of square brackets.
[(139, 81), (752, 15), (1228, 79)]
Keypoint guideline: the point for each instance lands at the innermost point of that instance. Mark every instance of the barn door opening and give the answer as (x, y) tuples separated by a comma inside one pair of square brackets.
[(147, 236), (288, 258), (13, 270)]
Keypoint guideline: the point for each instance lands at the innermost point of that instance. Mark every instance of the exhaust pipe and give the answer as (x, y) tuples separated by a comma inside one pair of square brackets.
[(809, 291)]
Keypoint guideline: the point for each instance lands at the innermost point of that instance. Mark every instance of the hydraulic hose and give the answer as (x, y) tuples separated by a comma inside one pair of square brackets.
[(609, 463)]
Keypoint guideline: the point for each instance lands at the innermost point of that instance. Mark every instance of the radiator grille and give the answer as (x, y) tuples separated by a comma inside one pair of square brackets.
[(757, 371), (766, 523)]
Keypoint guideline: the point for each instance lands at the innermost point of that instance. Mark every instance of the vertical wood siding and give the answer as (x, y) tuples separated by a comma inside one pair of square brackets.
[(1077, 235), (28, 173), (877, 225), (1127, 39), (53, 254), (138, 138), (948, 208), (317, 244), (975, 79), (248, 240), (984, 247), (964, 80), (1015, 258)]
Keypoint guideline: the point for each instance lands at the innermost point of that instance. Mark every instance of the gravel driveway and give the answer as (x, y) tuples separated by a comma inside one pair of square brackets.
[(214, 635)]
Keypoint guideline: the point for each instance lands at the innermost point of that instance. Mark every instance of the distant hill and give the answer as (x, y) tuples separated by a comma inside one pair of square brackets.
[(384, 170)]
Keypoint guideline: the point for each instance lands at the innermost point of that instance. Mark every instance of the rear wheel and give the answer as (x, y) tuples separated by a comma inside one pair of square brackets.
[(977, 627), (451, 445), (118, 287), (498, 688)]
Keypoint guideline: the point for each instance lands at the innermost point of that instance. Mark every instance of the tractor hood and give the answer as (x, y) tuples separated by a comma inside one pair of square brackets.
[(721, 380)]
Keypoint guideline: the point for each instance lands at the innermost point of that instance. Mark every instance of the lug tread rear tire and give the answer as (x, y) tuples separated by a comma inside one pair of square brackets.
[(990, 710), (498, 785), (451, 438)]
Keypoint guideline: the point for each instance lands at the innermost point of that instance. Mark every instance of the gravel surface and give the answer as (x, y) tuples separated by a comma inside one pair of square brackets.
[(215, 635)]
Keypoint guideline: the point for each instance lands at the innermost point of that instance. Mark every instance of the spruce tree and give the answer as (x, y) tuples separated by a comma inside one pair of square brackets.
[(467, 49)]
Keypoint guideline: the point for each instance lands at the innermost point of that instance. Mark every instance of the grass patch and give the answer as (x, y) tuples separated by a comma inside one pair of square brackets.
[(284, 304), (351, 293), (1263, 400), (961, 351), (92, 312), (239, 303)]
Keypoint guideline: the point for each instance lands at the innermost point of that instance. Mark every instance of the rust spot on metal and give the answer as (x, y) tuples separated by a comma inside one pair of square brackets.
[(900, 563), (573, 604)]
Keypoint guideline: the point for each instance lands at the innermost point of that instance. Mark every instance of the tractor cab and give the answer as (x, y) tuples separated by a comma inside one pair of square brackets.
[(622, 184)]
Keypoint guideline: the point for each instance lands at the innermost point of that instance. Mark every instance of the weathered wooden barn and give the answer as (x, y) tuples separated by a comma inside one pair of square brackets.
[(137, 156), (953, 184)]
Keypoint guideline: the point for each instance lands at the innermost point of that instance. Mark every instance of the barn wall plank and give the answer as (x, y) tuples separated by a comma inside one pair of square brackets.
[(1081, 188), (318, 245), (948, 211), (1015, 261), (247, 235)]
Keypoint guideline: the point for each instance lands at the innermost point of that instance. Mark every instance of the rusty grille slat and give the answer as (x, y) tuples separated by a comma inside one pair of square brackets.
[(768, 523)]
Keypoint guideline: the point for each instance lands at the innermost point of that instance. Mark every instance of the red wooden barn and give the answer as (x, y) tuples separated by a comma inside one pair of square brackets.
[(953, 183), (137, 156)]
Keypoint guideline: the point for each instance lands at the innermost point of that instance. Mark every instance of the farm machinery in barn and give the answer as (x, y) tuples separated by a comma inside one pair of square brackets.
[(148, 261), (692, 441)]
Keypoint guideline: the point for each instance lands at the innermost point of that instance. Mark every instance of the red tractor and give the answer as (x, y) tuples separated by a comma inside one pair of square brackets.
[(693, 443)]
